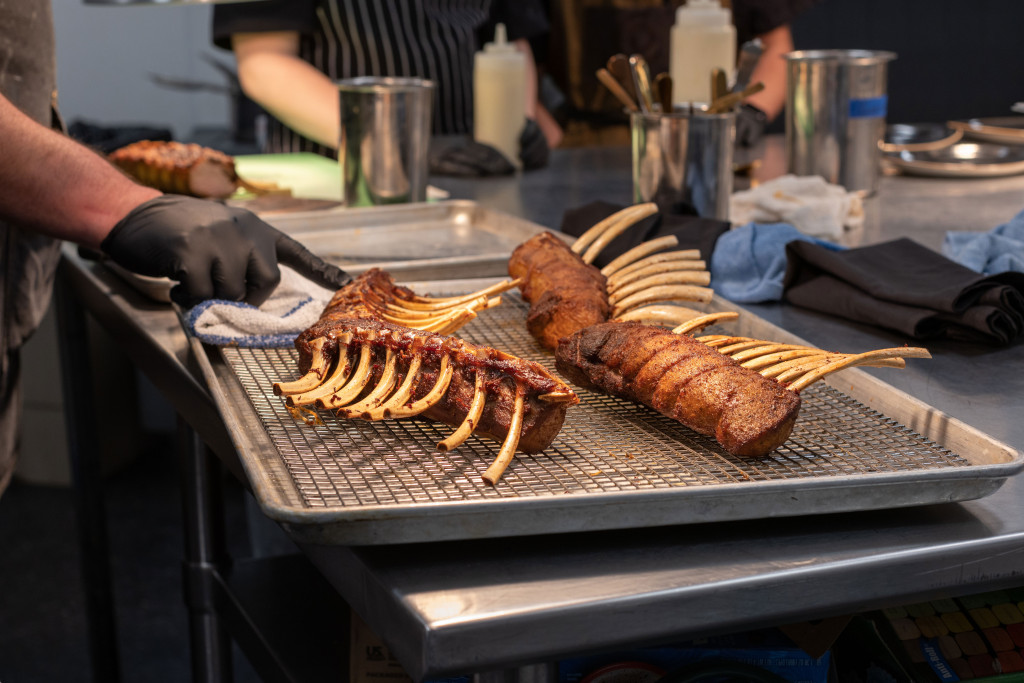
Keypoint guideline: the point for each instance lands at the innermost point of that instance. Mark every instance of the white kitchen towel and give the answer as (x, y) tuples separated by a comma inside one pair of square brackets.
[(295, 305), (812, 205)]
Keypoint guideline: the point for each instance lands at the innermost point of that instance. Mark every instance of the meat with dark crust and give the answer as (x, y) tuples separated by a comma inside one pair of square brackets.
[(541, 419), (565, 293), (681, 378)]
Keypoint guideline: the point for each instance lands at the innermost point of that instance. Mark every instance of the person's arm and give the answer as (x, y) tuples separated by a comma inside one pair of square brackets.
[(52, 184), (273, 75), (535, 110), (771, 70)]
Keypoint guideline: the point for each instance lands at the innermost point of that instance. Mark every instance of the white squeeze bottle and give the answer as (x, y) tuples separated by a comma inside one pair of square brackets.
[(702, 39), (499, 95)]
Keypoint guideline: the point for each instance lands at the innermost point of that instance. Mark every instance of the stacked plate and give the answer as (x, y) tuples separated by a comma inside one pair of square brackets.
[(978, 148)]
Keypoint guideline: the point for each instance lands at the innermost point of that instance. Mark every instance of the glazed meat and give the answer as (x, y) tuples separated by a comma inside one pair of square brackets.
[(681, 378), (503, 376), (374, 294), (379, 352), (178, 168), (366, 296)]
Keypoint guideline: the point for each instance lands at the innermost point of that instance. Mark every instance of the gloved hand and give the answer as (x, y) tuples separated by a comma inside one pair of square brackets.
[(212, 250), (750, 125), (470, 159), (533, 146)]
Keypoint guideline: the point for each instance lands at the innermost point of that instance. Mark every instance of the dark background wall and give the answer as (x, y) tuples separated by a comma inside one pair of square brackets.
[(957, 59)]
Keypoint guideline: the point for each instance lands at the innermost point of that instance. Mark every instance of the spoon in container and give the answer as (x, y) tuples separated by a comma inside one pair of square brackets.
[(730, 100), (616, 88), (663, 87), (642, 82), (618, 65), (719, 83)]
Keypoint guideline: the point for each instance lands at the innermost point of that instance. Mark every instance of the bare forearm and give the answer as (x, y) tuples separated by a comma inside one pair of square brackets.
[(534, 108), (771, 70), (58, 187), (295, 92)]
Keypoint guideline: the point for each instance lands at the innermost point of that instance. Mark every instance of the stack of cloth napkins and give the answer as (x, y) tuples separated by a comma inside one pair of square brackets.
[(904, 286)]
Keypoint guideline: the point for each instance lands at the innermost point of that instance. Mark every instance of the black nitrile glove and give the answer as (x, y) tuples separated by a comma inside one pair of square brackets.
[(212, 250), (470, 159), (533, 146), (750, 125)]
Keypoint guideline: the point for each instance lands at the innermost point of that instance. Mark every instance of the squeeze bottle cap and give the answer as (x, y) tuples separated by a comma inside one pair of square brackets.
[(500, 43), (704, 12)]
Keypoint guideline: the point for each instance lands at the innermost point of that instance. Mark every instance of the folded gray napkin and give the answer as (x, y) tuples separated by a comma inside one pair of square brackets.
[(904, 286)]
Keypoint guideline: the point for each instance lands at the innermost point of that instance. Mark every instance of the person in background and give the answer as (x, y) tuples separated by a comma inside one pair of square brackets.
[(587, 32), (53, 188), (289, 52), (768, 20)]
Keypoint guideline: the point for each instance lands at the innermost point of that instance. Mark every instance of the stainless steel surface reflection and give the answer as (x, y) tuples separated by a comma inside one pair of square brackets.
[(684, 158), (385, 137), (836, 101)]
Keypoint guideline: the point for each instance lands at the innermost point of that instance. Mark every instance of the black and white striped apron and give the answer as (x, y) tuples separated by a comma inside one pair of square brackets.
[(434, 39)]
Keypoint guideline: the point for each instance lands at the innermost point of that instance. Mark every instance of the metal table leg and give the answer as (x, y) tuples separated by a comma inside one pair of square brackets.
[(87, 484), (205, 555)]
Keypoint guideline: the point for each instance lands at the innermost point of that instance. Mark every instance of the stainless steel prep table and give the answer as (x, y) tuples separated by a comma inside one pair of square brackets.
[(443, 607)]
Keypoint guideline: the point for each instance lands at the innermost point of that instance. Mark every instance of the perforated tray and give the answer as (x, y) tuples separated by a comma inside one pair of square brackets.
[(615, 464)]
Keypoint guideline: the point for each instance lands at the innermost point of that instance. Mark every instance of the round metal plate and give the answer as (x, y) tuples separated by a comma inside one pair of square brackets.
[(963, 160), (918, 137)]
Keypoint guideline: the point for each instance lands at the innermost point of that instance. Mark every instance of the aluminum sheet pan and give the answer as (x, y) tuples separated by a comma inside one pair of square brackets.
[(412, 241), (859, 444)]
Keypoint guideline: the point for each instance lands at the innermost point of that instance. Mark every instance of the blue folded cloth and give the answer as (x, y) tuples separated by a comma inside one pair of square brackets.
[(997, 251), (749, 262), (295, 305)]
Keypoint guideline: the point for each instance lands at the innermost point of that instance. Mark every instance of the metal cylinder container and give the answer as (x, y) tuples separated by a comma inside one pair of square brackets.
[(385, 139), (684, 158), (836, 102)]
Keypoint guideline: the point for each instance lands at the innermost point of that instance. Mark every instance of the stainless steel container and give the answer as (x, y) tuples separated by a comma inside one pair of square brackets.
[(385, 139), (684, 157), (836, 103)]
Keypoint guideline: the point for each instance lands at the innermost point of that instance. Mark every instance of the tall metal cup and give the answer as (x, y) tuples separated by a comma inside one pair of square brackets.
[(836, 103), (684, 158), (385, 139)]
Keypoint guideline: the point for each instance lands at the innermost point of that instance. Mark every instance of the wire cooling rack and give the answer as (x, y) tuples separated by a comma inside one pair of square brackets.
[(606, 445)]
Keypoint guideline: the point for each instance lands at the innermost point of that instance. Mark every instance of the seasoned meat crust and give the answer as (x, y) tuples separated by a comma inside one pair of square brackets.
[(180, 168), (565, 293), (541, 420), (681, 378)]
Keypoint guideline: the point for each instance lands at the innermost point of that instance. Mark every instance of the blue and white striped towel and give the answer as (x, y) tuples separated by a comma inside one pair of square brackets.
[(295, 305)]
